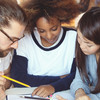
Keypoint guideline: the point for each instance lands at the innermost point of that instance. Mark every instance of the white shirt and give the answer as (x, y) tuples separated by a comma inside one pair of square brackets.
[(54, 62)]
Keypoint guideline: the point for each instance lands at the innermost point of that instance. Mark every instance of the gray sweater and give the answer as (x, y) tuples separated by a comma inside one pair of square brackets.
[(77, 83)]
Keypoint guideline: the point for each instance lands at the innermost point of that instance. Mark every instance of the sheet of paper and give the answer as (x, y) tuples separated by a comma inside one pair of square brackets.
[(18, 97)]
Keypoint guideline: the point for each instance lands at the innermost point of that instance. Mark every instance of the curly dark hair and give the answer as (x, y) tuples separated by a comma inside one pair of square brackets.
[(63, 10)]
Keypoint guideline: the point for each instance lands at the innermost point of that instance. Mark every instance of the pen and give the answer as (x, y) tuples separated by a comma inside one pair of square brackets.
[(34, 98), (15, 81)]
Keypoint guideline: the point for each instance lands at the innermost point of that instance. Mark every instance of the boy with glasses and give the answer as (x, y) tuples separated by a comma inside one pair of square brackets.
[(12, 26)]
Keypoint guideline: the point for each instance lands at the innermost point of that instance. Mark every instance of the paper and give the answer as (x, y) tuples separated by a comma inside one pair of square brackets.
[(18, 97)]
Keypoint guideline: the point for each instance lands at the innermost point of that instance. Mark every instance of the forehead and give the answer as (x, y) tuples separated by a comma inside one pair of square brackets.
[(14, 28), (84, 38), (42, 21)]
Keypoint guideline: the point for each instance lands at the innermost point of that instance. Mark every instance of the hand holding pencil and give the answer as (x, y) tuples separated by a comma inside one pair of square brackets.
[(2, 83)]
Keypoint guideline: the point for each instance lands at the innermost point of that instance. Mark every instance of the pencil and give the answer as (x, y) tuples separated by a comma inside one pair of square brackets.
[(34, 98), (15, 81)]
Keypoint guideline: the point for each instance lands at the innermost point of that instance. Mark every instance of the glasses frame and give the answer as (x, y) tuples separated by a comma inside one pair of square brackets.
[(10, 37)]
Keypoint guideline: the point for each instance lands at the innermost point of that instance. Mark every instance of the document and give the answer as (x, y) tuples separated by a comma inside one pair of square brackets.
[(16, 97), (24, 97)]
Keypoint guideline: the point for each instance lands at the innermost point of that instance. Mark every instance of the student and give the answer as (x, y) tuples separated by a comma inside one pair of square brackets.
[(86, 85), (12, 25), (45, 58)]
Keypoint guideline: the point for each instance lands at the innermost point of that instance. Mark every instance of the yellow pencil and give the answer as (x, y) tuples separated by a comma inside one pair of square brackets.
[(15, 81)]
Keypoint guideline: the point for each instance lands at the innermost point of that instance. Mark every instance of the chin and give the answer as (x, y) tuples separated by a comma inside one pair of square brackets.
[(4, 53), (86, 53)]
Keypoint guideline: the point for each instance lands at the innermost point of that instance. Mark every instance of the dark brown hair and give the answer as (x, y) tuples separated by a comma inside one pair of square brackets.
[(89, 26), (84, 5), (63, 10), (9, 10)]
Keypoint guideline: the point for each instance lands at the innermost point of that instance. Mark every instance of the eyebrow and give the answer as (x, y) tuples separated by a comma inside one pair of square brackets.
[(86, 41), (50, 28)]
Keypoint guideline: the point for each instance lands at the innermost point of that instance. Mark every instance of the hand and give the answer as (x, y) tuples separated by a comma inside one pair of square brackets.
[(2, 80), (81, 95), (60, 98), (2, 94), (44, 90), (84, 97)]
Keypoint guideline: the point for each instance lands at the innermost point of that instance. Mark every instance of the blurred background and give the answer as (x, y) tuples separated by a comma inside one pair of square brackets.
[(85, 5)]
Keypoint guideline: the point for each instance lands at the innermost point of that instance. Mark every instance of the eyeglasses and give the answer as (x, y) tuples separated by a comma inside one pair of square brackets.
[(13, 41)]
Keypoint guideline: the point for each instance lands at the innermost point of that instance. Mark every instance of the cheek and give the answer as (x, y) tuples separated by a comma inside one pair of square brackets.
[(43, 36), (78, 40), (56, 33), (93, 50)]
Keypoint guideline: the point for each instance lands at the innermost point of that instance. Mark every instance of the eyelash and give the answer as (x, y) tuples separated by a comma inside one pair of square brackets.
[(89, 45), (54, 29), (41, 31)]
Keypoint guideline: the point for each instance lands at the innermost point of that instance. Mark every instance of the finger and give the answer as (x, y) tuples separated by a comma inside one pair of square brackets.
[(35, 91), (43, 94), (40, 92), (46, 94)]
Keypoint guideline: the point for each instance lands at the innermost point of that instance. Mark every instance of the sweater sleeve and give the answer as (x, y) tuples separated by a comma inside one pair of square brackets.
[(94, 96), (19, 72), (78, 83), (64, 83)]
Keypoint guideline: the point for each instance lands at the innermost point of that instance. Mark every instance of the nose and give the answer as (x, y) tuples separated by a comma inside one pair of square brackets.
[(82, 45), (15, 45), (49, 36)]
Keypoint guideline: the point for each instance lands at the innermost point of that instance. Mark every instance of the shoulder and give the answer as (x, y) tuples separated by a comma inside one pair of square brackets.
[(70, 33)]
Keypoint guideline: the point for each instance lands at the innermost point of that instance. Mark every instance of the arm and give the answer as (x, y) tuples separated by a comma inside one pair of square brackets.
[(2, 89), (78, 83), (19, 72), (4, 84)]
